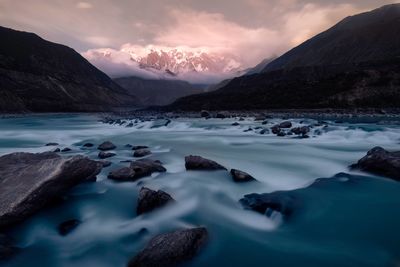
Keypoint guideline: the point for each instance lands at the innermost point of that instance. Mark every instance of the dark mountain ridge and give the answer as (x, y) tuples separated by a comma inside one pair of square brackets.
[(40, 76), (356, 63)]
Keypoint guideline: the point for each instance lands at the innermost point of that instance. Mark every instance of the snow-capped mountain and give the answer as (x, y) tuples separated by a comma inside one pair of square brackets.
[(193, 64)]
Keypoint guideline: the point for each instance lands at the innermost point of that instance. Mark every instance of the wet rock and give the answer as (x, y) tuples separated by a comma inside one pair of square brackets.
[(68, 226), (205, 114), (123, 174), (31, 181), (285, 124), (220, 116), (7, 248), (259, 118), (139, 153), (128, 146), (67, 149), (381, 162), (171, 249), (282, 201), (129, 125), (276, 129), (52, 144), (88, 145), (57, 150), (264, 122), (281, 134), (264, 131), (139, 147), (248, 130), (104, 155), (149, 200), (105, 163), (145, 167), (235, 124), (240, 176), (200, 163), (301, 130), (107, 145), (241, 119)]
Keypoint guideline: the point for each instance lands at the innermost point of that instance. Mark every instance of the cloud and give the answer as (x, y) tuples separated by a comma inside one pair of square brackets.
[(84, 5)]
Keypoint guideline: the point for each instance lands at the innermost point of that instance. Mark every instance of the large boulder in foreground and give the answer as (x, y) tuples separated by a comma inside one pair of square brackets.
[(30, 181), (171, 249), (381, 162), (200, 163), (150, 200)]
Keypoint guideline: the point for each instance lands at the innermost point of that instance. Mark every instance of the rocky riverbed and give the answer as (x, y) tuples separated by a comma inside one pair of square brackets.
[(207, 189)]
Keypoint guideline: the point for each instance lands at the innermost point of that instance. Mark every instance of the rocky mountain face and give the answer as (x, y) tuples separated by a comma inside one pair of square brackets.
[(41, 76), (157, 92), (354, 64)]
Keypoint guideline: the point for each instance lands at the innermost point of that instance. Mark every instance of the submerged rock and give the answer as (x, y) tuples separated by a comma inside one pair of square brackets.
[(67, 149), (171, 249), (104, 155), (141, 152), (88, 145), (149, 200), (52, 144), (381, 162), (105, 163), (200, 163), (30, 181), (107, 145), (240, 176), (68, 226)]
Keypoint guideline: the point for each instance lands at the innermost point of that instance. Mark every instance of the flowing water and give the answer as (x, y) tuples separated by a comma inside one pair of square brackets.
[(339, 225)]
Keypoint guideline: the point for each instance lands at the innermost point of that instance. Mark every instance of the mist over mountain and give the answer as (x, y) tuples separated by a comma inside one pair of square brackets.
[(38, 75), (195, 65), (356, 63)]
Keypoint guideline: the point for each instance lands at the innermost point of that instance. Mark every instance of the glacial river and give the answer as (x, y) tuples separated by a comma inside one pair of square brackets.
[(349, 225)]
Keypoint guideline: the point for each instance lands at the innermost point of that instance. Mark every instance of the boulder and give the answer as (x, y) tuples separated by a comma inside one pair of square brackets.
[(30, 181), (123, 174), (171, 249), (149, 200), (240, 176), (139, 153), (88, 145), (107, 145), (380, 162), (145, 167), (104, 155), (68, 226), (276, 129), (200, 163), (285, 124), (301, 130)]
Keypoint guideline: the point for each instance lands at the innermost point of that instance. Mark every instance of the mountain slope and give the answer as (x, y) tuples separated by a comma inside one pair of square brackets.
[(157, 92), (40, 76), (356, 63)]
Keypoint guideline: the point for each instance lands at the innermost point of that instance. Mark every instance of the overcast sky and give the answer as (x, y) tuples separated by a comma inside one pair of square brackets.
[(253, 29)]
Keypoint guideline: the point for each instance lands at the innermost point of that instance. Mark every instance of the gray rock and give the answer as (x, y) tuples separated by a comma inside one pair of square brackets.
[(149, 200), (381, 162), (285, 124), (240, 176), (107, 145), (141, 152), (123, 174), (145, 167), (104, 155), (30, 181), (200, 163), (171, 249)]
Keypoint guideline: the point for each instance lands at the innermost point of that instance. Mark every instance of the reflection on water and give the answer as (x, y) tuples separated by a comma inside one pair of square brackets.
[(351, 226)]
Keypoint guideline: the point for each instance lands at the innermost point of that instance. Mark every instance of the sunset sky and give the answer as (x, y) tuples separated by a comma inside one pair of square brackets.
[(252, 29)]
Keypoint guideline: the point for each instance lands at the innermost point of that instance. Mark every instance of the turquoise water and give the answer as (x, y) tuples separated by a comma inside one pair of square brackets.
[(342, 224)]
